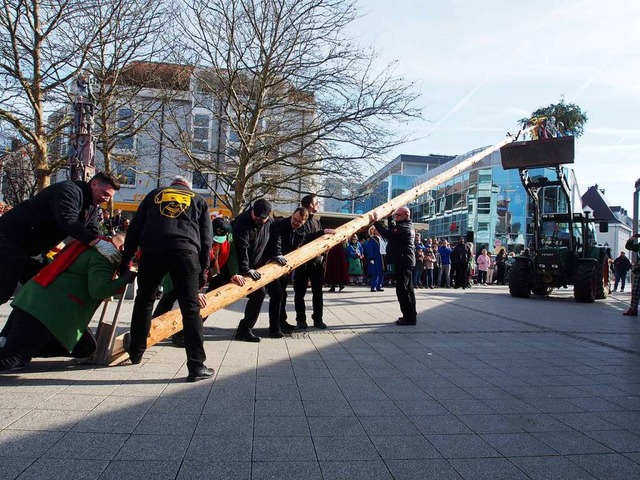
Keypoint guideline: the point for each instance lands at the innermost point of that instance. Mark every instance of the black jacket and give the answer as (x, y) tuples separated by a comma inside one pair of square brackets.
[(401, 237), (171, 218), (250, 241), (59, 211), (622, 264), (284, 239), (312, 231)]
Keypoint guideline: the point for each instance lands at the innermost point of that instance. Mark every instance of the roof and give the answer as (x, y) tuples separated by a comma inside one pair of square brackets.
[(595, 199), (157, 75)]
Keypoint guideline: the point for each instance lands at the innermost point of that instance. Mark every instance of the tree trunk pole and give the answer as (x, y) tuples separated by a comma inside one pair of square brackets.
[(171, 322)]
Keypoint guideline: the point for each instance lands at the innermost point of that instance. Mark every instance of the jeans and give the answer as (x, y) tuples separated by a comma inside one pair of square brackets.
[(620, 276), (184, 268), (429, 277), (277, 291)]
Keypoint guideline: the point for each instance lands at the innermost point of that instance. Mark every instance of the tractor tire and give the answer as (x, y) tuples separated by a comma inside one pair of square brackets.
[(602, 281), (520, 280), (585, 286), (542, 290)]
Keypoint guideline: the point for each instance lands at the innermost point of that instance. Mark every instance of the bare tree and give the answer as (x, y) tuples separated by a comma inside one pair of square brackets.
[(43, 45), (121, 64), (291, 97), (16, 168)]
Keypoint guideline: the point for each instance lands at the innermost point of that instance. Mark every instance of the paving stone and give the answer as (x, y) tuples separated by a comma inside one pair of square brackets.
[(551, 468), (489, 424), (279, 408), (167, 424), (538, 422), (429, 468), (48, 420), (219, 449), (487, 468), (221, 424), (193, 470), (282, 449), (87, 446), (27, 444), (320, 408), (154, 447), (354, 470), (621, 441), (439, 424), (335, 426), (344, 449), (517, 444), (12, 467), (64, 468), (266, 426), (462, 446), (405, 447), (611, 467), (584, 421), (568, 443), (388, 426), (286, 471)]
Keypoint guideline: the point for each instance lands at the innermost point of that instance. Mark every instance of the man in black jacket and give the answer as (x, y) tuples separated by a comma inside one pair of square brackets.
[(401, 253), (312, 271), (65, 209), (251, 233), (172, 228), (287, 236), (621, 266)]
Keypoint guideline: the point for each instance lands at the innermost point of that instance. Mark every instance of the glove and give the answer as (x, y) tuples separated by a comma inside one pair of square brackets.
[(129, 275), (202, 281), (254, 274), (108, 250), (279, 259)]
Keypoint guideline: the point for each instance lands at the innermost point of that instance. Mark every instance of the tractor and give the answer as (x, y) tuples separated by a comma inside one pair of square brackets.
[(564, 250)]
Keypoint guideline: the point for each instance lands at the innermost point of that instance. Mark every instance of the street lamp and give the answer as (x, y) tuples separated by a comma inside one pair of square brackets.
[(507, 223)]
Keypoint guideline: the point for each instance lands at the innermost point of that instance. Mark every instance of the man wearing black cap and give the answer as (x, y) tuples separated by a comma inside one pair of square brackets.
[(172, 227), (251, 232)]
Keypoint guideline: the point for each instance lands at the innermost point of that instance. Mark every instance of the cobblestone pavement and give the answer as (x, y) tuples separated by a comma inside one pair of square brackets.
[(484, 387)]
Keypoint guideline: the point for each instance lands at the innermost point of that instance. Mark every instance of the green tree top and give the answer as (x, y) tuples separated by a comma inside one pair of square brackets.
[(569, 118)]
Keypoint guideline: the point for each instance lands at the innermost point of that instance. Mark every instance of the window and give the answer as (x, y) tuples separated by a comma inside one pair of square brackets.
[(124, 129), (200, 180), (201, 131), (233, 142), (126, 175), (484, 205)]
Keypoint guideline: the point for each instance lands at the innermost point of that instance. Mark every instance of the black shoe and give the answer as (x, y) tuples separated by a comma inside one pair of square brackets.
[(402, 321), (126, 344), (321, 325), (201, 373), (247, 336), (332, 290), (373, 289), (341, 288), (379, 289), (302, 325), (287, 327), (178, 339), (276, 334)]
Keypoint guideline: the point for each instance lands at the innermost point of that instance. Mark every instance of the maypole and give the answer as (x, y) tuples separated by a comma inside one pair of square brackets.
[(171, 322)]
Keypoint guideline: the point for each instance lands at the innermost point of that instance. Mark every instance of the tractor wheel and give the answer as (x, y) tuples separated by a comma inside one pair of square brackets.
[(520, 280), (542, 290), (585, 286), (602, 281)]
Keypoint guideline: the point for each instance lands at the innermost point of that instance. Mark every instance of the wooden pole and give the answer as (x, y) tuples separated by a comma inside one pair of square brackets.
[(171, 322)]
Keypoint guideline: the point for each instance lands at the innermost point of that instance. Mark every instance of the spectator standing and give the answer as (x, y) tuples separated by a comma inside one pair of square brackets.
[(429, 266), (444, 279), (483, 266), (337, 274), (401, 253), (621, 267), (375, 263), (172, 228), (355, 254), (635, 278), (65, 209), (501, 266)]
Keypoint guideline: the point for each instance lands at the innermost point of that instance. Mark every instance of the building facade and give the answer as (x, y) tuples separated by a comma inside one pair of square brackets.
[(619, 223), (489, 201)]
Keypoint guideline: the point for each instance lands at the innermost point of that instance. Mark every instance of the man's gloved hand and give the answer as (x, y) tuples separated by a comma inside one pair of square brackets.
[(279, 259), (122, 268), (254, 274), (202, 279), (129, 275), (108, 250)]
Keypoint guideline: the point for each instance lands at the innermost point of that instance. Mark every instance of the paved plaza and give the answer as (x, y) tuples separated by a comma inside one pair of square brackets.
[(484, 387)]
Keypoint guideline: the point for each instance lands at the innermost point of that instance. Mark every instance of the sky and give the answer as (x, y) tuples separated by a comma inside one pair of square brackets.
[(481, 66)]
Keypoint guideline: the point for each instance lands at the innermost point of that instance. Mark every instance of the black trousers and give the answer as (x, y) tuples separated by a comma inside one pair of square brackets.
[(252, 309), (405, 293), (313, 273), (277, 291), (184, 268), (15, 267)]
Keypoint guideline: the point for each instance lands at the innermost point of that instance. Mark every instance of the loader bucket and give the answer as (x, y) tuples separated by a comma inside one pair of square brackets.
[(546, 152)]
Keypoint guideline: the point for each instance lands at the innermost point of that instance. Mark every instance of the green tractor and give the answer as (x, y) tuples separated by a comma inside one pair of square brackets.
[(564, 251)]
